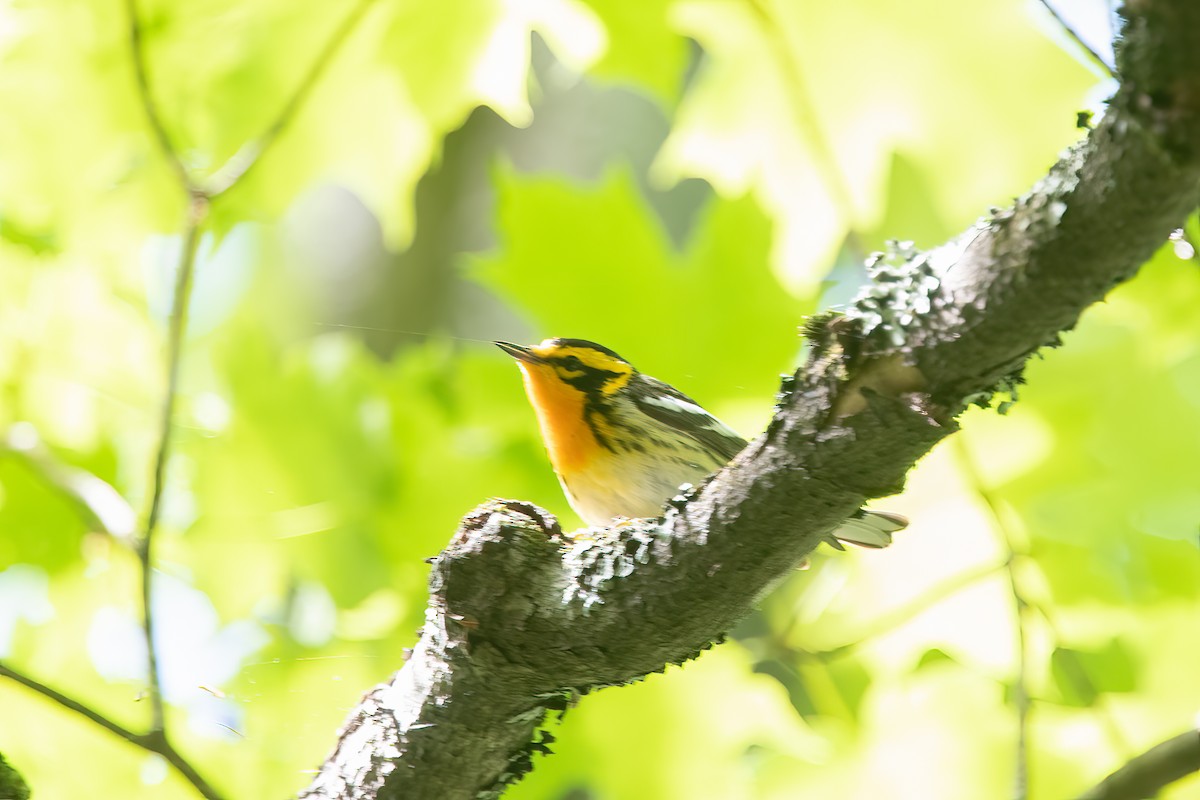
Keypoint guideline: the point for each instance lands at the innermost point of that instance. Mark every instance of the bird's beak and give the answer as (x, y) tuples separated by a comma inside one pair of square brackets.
[(520, 353)]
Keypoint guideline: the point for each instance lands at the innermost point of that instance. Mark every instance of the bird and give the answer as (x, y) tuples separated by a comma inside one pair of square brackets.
[(623, 443)]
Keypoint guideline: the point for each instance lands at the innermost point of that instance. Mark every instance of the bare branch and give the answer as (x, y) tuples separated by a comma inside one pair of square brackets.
[(226, 178), (249, 155), (145, 550), (149, 106), (1152, 771), (81, 487), (155, 742), (233, 171), (73, 705)]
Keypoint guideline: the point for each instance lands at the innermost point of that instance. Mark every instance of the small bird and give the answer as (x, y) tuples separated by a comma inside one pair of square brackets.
[(622, 443)]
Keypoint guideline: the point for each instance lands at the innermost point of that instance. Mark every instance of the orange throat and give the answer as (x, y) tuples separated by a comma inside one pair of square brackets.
[(559, 406)]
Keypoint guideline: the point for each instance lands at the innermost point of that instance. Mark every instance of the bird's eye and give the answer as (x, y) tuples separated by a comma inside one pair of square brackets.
[(572, 364)]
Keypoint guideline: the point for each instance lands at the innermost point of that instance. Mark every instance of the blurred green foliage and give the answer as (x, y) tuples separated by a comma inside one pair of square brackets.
[(682, 180)]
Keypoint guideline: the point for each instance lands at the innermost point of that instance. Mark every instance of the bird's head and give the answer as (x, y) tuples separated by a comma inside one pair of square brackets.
[(570, 367)]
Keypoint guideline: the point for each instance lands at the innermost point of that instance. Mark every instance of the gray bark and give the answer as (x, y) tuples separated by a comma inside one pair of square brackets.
[(521, 621)]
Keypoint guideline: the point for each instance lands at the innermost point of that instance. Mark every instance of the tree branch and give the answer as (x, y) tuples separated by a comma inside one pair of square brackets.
[(200, 196), (98, 502), (248, 155), (153, 741), (1148, 774), (521, 621), (71, 704)]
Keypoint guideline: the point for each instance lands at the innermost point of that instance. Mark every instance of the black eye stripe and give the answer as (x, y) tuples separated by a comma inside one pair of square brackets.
[(587, 379), (573, 364)]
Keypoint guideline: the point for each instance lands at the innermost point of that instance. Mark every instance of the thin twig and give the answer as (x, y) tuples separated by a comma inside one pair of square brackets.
[(147, 100), (178, 323), (74, 705), (196, 211), (1074, 34), (250, 154), (1021, 697), (154, 742), (185, 768), (225, 178)]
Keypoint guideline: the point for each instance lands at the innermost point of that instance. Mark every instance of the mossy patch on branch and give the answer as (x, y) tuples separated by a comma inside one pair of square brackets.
[(904, 287)]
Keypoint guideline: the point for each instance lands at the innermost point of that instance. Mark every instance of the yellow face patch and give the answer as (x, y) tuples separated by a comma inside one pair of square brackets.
[(571, 362)]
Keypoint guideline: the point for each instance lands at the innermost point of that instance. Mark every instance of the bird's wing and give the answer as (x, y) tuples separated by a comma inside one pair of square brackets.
[(668, 405), (671, 407)]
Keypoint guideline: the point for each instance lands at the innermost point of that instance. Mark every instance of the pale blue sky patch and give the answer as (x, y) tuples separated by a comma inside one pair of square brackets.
[(24, 597)]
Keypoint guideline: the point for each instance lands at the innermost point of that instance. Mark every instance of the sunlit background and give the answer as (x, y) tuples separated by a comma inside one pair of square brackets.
[(681, 180)]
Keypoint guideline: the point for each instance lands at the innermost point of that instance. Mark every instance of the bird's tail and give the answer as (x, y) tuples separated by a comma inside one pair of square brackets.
[(868, 529)]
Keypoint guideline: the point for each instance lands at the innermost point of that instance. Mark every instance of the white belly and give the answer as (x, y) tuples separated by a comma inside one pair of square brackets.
[(639, 487)]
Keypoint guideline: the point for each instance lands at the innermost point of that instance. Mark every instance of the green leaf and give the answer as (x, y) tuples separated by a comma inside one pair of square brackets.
[(1081, 676), (644, 51), (934, 656), (766, 113), (1114, 505), (12, 785), (594, 262), (40, 525)]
